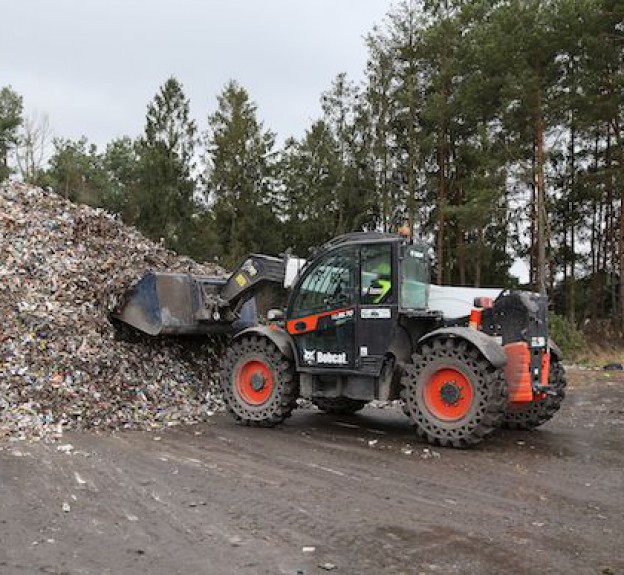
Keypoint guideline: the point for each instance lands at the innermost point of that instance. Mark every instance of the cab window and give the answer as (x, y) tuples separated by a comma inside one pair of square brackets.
[(329, 284), (414, 278), (376, 278)]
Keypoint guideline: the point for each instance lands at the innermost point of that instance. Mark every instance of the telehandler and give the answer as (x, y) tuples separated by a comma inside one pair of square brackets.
[(362, 322)]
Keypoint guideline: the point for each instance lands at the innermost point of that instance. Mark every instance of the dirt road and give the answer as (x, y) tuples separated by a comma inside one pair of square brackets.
[(353, 494)]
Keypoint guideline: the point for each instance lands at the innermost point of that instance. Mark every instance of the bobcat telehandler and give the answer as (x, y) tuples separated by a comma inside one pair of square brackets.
[(362, 322)]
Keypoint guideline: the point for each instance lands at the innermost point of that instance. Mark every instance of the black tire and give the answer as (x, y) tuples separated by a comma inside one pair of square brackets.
[(339, 405), (541, 411), (444, 416), (273, 403)]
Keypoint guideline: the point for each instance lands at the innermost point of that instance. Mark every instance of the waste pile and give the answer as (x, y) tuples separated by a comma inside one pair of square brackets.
[(63, 268)]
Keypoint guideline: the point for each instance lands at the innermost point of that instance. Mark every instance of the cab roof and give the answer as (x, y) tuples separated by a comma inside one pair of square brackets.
[(359, 238)]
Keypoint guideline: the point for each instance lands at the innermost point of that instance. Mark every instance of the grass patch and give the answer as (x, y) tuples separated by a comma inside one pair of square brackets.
[(595, 345)]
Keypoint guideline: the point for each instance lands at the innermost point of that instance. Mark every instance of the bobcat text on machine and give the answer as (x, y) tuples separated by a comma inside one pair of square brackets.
[(363, 322)]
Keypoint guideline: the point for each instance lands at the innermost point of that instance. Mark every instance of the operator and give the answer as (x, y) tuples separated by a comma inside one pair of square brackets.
[(384, 281)]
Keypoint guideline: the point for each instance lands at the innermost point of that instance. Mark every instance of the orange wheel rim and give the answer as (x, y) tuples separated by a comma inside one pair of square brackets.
[(254, 382), (448, 394)]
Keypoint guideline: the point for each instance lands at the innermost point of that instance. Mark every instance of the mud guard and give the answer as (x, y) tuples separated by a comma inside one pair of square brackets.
[(279, 337), (486, 344)]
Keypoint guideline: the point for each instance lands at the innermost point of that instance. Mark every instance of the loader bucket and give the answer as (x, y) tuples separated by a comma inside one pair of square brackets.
[(167, 303)]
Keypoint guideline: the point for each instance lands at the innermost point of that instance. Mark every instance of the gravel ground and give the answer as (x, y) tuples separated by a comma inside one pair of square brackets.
[(322, 493)]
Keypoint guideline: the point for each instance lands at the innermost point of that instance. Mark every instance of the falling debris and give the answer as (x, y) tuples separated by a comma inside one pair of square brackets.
[(63, 365)]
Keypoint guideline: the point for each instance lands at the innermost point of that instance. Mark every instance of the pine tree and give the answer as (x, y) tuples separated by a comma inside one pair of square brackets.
[(346, 115), (239, 177), (403, 30), (10, 120), (121, 162), (478, 199), (164, 201), (381, 106), (310, 173), (75, 170), (441, 61), (527, 64), (574, 25), (606, 49)]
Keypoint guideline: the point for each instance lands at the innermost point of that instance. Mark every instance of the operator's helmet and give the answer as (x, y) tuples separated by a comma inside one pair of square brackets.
[(383, 270)]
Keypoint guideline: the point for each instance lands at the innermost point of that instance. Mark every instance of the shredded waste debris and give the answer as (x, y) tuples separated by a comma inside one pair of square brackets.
[(63, 365)]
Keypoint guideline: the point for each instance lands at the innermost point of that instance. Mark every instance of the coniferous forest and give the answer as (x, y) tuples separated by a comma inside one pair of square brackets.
[(493, 129)]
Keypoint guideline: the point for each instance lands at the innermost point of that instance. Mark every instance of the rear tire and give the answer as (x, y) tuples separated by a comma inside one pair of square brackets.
[(258, 382), (339, 405), (541, 411), (453, 394)]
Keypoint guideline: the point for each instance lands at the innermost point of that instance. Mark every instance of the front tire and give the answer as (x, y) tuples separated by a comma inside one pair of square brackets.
[(453, 394), (539, 412), (258, 382)]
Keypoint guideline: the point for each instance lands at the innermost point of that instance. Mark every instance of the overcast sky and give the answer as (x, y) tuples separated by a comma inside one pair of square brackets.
[(93, 65)]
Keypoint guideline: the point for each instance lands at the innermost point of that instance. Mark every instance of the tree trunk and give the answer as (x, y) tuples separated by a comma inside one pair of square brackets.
[(411, 133), (4, 153), (477, 259), (621, 290), (571, 279), (533, 226), (442, 196), (411, 167), (387, 223), (461, 241), (611, 234), (461, 256), (600, 275), (594, 242), (593, 311), (441, 223), (621, 242), (541, 195)]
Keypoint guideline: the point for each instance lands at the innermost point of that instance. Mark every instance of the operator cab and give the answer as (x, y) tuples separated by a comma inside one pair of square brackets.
[(345, 307)]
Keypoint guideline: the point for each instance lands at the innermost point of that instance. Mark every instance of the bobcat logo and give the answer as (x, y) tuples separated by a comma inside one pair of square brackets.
[(312, 356)]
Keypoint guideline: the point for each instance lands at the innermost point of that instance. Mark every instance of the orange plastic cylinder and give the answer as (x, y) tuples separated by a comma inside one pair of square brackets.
[(518, 372)]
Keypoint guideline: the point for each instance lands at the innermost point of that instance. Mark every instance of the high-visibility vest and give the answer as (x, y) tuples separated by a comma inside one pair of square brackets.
[(386, 285)]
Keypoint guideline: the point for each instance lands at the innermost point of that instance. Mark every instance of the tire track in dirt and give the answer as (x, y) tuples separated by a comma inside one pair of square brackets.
[(220, 498)]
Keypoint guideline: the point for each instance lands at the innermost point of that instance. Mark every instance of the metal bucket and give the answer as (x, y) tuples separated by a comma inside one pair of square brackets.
[(174, 304)]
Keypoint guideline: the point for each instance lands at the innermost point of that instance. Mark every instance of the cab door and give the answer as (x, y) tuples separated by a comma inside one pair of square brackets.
[(322, 312), (378, 309)]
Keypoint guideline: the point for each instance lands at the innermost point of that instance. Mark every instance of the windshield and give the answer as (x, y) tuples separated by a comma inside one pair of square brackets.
[(329, 283), (414, 278)]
